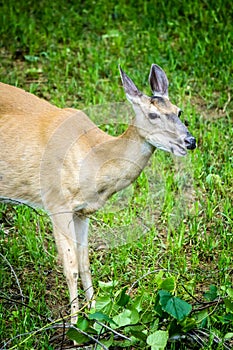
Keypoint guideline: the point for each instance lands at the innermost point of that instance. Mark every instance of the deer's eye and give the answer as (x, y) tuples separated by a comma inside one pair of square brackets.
[(153, 116), (179, 113)]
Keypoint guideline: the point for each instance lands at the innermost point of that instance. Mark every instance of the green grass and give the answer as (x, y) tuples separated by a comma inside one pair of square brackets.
[(178, 214)]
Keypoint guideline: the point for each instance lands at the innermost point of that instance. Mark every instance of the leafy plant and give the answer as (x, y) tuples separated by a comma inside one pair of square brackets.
[(154, 321)]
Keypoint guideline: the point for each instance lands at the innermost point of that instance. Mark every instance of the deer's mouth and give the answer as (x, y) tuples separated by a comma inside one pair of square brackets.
[(175, 148), (178, 150)]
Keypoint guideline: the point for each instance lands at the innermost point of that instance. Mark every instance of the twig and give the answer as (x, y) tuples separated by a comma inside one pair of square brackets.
[(29, 307), (17, 336), (207, 304), (194, 336), (89, 336), (206, 333), (192, 296), (112, 330), (16, 278), (34, 332), (55, 326), (18, 202)]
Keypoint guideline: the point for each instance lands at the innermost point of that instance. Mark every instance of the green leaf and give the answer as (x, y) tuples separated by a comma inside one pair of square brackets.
[(230, 292), (126, 317), (158, 340), (229, 304), (229, 336), (126, 344), (107, 285), (31, 58), (147, 317), (82, 323), (211, 294), (137, 303), (124, 298), (99, 316), (228, 318), (158, 308), (202, 316), (139, 335), (136, 332), (168, 284), (103, 304), (159, 278), (74, 334), (188, 324), (106, 342), (174, 306), (154, 326)]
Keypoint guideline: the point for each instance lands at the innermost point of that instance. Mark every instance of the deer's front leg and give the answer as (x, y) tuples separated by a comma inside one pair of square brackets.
[(81, 229), (64, 233)]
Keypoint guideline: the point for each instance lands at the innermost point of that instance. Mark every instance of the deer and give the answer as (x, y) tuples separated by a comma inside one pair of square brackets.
[(59, 160)]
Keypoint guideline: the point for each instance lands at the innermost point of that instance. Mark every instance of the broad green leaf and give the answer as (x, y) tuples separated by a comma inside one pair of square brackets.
[(168, 284), (228, 317), (158, 307), (230, 292), (74, 334), (107, 285), (137, 304), (139, 335), (106, 342), (125, 344), (174, 306), (134, 328), (154, 326), (103, 303), (148, 317), (126, 317), (159, 278), (99, 316), (229, 336), (82, 323), (188, 324), (124, 298), (211, 294), (134, 315), (229, 304), (158, 340), (201, 316)]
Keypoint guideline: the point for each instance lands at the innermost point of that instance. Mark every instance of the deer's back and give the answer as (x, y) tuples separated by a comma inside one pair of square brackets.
[(35, 136)]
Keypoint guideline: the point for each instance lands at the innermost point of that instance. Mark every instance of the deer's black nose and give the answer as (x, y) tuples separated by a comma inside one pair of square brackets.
[(190, 142)]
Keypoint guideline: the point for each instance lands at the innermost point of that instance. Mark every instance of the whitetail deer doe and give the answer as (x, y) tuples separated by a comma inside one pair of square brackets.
[(59, 160)]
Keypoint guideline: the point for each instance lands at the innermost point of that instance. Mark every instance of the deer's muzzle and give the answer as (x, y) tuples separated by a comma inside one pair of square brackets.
[(190, 142)]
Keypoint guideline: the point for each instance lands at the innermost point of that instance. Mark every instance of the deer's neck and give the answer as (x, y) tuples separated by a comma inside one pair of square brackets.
[(134, 149), (122, 160), (110, 166)]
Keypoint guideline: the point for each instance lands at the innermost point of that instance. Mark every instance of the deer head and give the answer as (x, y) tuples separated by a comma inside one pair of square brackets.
[(157, 119)]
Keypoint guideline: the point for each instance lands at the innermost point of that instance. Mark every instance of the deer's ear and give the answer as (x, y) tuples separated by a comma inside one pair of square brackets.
[(158, 80), (130, 88)]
